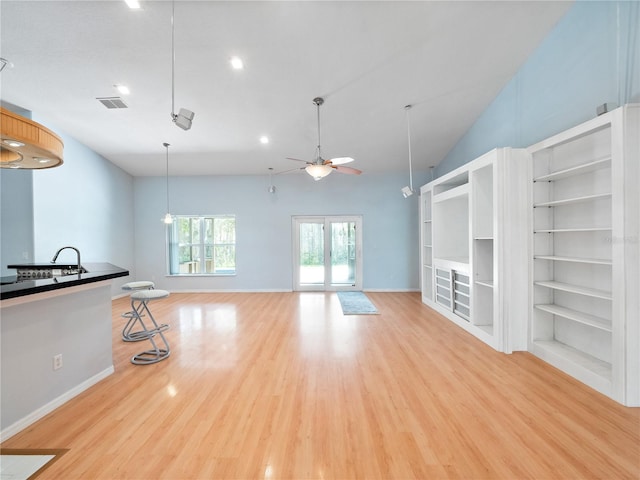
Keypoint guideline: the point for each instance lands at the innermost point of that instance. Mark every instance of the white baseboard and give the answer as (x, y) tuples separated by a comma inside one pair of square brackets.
[(391, 290), (33, 417), (231, 291), (382, 290)]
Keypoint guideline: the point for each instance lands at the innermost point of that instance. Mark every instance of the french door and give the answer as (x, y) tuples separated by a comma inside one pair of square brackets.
[(327, 253)]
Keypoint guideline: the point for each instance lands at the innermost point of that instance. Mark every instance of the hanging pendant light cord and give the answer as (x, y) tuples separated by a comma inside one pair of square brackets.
[(166, 145), (173, 59), (407, 108)]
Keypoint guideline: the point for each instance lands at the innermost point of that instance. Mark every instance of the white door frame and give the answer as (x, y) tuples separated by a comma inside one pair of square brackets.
[(326, 221)]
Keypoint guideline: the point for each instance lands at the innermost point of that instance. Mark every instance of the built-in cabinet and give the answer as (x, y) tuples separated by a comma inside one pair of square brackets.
[(472, 228), (585, 258), (539, 249)]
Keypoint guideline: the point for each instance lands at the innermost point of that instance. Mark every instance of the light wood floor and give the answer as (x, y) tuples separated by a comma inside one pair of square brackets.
[(283, 386)]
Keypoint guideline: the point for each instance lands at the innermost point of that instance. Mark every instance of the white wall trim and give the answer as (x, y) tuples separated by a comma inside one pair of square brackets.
[(391, 290), (33, 417), (266, 290)]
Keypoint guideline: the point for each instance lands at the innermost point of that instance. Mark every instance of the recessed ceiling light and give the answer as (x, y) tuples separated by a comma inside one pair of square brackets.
[(264, 139), (14, 143), (123, 89), (43, 160), (133, 4), (236, 63)]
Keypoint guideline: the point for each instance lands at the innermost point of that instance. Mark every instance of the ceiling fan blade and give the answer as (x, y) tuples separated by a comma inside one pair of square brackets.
[(348, 170), (341, 160), (297, 160)]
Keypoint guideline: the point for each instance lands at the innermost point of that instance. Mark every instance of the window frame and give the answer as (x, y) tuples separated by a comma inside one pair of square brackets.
[(173, 248)]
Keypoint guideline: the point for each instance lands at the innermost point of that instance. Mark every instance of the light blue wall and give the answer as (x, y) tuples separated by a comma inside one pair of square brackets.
[(264, 240), (16, 211), (16, 218), (590, 58), (87, 203)]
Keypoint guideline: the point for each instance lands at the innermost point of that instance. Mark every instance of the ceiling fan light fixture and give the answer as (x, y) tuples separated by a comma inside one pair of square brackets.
[(320, 167), (318, 171)]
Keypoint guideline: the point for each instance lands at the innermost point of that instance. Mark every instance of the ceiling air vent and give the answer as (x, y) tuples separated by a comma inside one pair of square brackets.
[(112, 102)]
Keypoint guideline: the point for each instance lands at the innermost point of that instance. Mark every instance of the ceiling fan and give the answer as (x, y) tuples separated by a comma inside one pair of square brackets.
[(320, 167)]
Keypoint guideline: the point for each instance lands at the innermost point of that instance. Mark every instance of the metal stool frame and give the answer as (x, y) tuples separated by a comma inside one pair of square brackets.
[(156, 354), (128, 335)]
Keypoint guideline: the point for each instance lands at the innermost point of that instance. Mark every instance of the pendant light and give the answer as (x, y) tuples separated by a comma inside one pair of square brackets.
[(168, 219), (408, 190), (27, 145), (272, 187), (184, 117)]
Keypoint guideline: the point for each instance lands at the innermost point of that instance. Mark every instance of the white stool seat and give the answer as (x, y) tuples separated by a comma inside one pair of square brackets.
[(138, 285), (149, 294)]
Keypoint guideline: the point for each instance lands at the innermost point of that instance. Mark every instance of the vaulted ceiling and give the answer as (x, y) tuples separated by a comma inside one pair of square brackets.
[(367, 59)]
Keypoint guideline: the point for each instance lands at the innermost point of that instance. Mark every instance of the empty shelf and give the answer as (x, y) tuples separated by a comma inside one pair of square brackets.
[(567, 287), (603, 162), (597, 261), (569, 201), (576, 316)]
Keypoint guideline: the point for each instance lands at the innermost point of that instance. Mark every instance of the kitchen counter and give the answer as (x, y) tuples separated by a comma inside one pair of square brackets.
[(67, 316), (96, 272)]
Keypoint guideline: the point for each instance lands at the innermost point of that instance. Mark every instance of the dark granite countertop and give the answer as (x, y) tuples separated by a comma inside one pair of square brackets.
[(96, 272)]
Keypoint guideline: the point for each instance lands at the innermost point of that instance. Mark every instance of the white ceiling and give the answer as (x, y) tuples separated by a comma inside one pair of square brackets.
[(368, 59)]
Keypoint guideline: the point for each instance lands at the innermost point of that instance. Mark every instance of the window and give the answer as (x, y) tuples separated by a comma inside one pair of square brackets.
[(202, 245)]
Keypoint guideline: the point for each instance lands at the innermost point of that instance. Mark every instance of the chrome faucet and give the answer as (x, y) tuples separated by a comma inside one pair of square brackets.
[(53, 260)]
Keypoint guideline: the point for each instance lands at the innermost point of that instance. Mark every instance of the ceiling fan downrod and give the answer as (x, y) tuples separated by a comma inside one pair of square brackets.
[(317, 102)]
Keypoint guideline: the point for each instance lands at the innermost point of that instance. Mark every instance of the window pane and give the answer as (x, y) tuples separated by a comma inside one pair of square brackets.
[(311, 253), (195, 230), (208, 229), (343, 254), (224, 260), (185, 253), (224, 230), (184, 229)]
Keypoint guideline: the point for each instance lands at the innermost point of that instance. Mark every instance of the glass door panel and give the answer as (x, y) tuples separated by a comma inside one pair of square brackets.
[(311, 254), (343, 253), (327, 253)]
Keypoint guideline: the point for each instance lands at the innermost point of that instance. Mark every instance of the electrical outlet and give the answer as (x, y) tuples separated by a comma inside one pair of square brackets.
[(57, 361)]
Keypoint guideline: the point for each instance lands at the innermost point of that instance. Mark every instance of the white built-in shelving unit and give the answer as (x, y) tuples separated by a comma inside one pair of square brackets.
[(473, 227), (426, 241), (584, 285)]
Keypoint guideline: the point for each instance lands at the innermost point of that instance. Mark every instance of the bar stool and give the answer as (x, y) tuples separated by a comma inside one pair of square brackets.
[(139, 304), (128, 335)]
